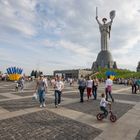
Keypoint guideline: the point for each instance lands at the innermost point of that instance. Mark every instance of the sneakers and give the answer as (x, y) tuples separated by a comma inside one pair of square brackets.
[(44, 105)]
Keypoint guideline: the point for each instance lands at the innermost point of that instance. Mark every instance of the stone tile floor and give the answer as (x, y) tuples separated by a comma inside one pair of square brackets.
[(19, 104), (45, 125), (92, 107)]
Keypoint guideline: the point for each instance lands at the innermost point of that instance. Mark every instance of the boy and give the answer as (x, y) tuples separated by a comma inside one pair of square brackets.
[(103, 104)]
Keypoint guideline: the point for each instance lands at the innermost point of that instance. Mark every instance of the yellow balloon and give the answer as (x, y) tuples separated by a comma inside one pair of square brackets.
[(112, 77), (14, 77)]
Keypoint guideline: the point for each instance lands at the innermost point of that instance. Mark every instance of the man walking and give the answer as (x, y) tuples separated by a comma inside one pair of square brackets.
[(81, 87), (41, 88)]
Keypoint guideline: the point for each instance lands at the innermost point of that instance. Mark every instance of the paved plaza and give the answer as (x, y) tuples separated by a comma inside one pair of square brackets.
[(21, 118)]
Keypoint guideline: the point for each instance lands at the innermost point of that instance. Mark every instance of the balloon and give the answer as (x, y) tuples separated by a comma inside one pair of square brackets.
[(14, 73), (111, 74)]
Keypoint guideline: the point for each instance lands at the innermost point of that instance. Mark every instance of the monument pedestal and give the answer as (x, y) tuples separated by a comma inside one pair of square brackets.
[(104, 60)]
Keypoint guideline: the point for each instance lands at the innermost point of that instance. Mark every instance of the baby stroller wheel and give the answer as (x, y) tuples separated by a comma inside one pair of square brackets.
[(113, 118)]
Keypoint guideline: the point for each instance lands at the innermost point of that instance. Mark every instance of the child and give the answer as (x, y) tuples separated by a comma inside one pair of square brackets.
[(103, 104)]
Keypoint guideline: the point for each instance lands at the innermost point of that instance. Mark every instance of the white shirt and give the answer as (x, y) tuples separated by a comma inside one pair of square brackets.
[(89, 83), (108, 82), (59, 85), (103, 102), (45, 81)]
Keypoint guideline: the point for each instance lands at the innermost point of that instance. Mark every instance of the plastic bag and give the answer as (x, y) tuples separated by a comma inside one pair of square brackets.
[(35, 96)]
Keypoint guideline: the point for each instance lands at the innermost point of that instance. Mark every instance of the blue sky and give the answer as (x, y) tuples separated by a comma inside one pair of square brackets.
[(50, 35)]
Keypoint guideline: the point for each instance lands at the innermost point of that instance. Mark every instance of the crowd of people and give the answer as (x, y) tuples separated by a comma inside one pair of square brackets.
[(86, 85), (91, 86)]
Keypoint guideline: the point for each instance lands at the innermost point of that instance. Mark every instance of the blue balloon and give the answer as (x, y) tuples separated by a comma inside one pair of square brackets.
[(10, 69), (108, 73), (20, 71), (15, 71)]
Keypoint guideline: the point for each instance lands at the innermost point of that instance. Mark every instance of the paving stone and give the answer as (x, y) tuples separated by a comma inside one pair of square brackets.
[(10, 86), (6, 90), (45, 125), (18, 104), (3, 97), (132, 97), (138, 136), (72, 95), (23, 94), (92, 107)]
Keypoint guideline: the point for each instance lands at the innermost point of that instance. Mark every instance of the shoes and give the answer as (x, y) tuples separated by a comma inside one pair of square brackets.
[(55, 106), (41, 105), (44, 105)]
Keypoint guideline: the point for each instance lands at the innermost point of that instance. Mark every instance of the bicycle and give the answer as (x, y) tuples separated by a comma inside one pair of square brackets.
[(101, 116)]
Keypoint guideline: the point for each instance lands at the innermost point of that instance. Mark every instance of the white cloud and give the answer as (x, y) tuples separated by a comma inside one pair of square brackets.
[(75, 48), (18, 16)]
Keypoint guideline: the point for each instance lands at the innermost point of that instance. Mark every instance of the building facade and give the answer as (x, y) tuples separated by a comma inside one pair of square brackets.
[(75, 73)]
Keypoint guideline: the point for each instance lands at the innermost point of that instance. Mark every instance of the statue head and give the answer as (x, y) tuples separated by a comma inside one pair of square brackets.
[(104, 20)]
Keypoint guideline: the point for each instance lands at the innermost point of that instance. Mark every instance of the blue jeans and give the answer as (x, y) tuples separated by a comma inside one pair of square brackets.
[(41, 94), (57, 94), (104, 110), (94, 92)]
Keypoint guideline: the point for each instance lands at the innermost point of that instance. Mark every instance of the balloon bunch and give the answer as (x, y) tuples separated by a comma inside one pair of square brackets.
[(14, 73), (111, 74)]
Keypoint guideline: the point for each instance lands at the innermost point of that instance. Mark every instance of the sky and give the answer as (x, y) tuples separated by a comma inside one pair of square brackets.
[(50, 35)]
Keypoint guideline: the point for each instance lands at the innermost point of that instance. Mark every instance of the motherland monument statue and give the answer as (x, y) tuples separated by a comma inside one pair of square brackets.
[(104, 58)]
